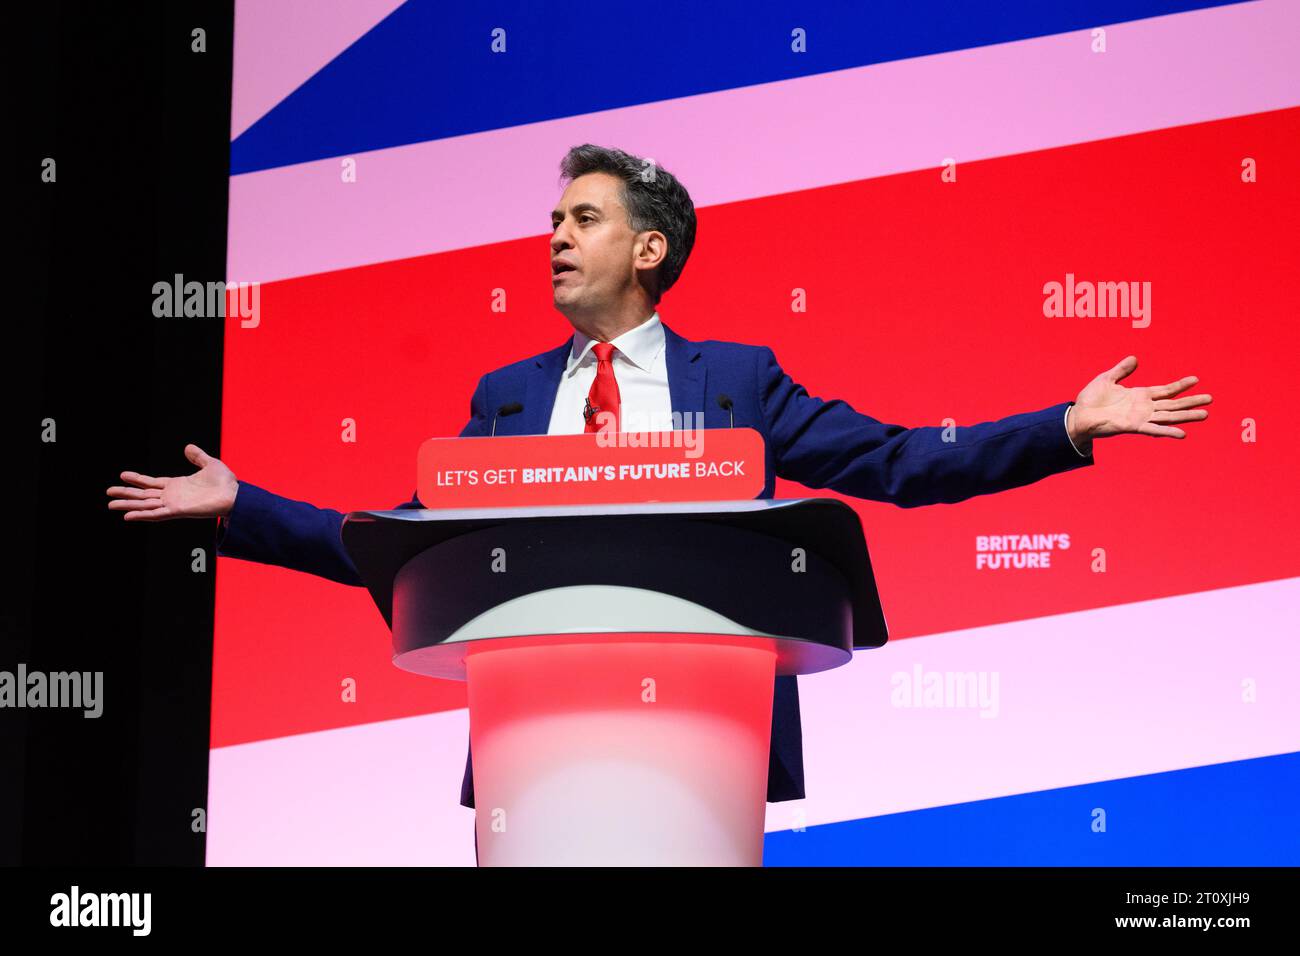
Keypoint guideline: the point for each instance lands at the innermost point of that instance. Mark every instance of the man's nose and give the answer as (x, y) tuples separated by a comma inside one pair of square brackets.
[(560, 238)]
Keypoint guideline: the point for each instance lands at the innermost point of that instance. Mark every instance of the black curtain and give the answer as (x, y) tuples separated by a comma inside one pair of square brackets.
[(137, 123)]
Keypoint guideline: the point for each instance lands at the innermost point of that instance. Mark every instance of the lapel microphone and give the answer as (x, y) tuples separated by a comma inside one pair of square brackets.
[(504, 410), (725, 401)]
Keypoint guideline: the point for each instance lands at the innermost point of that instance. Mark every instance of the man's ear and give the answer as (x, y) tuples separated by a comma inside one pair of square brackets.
[(652, 249)]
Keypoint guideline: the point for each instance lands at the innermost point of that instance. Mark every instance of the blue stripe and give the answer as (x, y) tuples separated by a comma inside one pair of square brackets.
[(427, 72), (1245, 813)]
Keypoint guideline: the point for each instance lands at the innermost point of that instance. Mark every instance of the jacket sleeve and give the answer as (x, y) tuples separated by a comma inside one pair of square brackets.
[(478, 425), (827, 444), (271, 529)]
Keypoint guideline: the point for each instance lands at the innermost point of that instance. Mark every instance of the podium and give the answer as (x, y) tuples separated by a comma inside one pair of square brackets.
[(620, 659)]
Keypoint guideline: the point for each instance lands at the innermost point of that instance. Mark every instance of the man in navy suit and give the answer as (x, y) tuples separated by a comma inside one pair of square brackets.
[(621, 235)]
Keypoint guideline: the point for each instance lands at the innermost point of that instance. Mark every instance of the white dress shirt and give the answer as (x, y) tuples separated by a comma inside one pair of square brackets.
[(641, 370), (1065, 420)]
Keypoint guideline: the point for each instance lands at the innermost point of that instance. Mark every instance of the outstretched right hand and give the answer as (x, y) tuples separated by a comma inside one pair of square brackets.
[(208, 493)]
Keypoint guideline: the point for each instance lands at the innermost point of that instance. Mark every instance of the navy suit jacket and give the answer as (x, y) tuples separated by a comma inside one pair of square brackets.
[(820, 444)]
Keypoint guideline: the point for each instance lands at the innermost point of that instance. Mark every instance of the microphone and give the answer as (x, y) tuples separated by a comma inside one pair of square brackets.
[(509, 409), (725, 401)]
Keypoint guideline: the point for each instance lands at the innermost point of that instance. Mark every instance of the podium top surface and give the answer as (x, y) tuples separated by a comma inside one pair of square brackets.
[(382, 542), (580, 510)]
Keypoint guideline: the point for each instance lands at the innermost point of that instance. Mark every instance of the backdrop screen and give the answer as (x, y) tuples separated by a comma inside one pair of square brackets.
[(885, 198)]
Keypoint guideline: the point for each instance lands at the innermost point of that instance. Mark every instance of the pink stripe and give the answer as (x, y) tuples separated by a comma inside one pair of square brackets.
[(777, 137), (382, 794), (1097, 695), (1101, 694), (280, 44)]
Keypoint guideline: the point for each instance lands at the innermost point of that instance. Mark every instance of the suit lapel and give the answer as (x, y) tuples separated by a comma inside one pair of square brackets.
[(687, 375), (687, 378), (541, 388)]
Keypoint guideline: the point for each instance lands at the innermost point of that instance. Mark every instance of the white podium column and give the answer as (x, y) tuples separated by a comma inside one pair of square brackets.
[(638, 749)]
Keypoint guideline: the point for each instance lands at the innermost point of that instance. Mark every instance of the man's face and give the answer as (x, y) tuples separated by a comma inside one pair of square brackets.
[(590, 233)]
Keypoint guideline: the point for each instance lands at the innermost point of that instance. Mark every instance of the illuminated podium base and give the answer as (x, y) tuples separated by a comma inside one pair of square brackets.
[(621, 660), (629, 749)]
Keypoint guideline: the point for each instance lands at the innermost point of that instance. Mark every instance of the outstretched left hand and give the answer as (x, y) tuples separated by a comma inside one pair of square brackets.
[(1106, 408)]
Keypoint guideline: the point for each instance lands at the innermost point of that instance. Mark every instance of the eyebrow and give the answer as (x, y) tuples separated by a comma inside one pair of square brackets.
[(577, 210)]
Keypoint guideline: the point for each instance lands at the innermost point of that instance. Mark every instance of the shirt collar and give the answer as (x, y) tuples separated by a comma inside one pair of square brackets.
[(640, 346)]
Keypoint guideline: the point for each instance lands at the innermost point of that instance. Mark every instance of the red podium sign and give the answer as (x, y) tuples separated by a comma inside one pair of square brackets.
[(715, 464)]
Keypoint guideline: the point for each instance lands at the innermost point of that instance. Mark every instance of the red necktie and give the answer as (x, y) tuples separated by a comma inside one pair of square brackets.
[(603, 396)]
